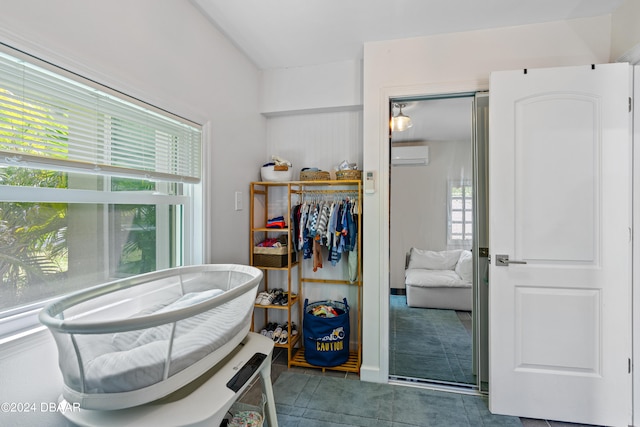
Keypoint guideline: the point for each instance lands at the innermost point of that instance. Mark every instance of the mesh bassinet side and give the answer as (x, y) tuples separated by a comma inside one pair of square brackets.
[(133, 341)]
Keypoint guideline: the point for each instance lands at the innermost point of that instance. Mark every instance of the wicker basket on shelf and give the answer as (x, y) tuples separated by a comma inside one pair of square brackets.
[(271, 257), (314, 176), (350, 174)]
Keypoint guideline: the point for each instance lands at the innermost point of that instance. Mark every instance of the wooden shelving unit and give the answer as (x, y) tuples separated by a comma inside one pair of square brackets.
[(298, 190), (258, 231)]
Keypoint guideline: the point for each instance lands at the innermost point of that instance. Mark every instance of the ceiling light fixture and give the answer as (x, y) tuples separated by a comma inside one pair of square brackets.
[(400, 122)]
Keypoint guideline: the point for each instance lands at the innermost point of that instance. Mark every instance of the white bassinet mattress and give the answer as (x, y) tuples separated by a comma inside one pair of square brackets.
[(132, 360)]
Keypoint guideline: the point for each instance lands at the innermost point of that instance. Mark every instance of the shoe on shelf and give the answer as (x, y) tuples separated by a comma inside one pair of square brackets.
[(271, 327), (277, 333), (292, 330), (267, 328), (281, 299), (261, 297), (276, 298), (284, 337), (268, 298)]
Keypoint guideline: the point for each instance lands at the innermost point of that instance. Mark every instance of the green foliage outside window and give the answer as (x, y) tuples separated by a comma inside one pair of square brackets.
[(32, 235)]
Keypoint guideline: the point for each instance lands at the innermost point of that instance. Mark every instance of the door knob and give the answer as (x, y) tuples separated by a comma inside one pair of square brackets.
[(504, 261)]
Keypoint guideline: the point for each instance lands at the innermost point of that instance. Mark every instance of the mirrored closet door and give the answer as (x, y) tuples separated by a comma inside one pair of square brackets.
[(436, 331)]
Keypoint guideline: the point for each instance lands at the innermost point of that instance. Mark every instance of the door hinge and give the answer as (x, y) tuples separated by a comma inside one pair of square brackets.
[(630, 104), (629, 365)]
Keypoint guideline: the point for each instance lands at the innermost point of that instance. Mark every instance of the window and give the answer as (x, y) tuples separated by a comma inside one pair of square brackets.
[(93, 186), (460, 215)]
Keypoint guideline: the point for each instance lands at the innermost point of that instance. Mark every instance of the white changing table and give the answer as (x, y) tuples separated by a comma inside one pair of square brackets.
[(205, 402)]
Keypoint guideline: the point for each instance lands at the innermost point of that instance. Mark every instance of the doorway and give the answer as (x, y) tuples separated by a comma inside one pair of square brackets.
[(438, 209)]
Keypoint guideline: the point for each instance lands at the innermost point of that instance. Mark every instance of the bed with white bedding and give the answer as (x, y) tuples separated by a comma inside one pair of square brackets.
[(138, 339), (439, 279)]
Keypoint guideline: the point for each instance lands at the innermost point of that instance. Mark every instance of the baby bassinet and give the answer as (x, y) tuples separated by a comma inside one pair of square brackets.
[(135, 340)]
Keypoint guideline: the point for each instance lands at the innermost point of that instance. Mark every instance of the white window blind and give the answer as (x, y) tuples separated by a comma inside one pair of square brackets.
[(49, 121)]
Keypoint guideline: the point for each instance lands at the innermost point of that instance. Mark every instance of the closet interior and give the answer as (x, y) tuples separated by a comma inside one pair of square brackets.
[(318, 256)]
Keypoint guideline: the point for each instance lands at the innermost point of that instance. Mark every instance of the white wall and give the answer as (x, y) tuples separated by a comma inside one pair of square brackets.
[(337, 85), (168, 55), (171, 57), (319, 140), (625, 31), (447, 63)]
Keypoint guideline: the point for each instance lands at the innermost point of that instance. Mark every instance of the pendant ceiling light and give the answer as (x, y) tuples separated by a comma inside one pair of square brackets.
[(400, 122)]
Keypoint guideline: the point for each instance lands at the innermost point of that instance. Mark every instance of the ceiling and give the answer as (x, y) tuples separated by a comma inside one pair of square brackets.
[(291, 33)]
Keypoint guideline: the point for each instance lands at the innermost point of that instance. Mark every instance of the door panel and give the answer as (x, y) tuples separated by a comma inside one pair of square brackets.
[(541, 346), (560, 200), (557, 172)]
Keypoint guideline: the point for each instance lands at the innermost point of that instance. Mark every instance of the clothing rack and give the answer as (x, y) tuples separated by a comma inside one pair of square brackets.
[(327, 195), (327, 192), (324, 192), (309, 192)]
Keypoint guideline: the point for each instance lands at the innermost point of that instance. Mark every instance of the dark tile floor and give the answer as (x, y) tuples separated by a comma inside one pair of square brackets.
[(303, 401), (429, 343), (311, 400), (308, 397)]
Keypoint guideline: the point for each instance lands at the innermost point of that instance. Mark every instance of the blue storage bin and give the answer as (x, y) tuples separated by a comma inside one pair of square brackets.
[(326, 339)]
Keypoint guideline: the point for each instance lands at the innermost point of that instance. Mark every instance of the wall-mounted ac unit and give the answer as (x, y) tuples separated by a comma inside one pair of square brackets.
[(417, 155)]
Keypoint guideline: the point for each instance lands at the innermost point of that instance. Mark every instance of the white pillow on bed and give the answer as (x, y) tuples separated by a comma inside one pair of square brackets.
[(433, 260), (464, 268)]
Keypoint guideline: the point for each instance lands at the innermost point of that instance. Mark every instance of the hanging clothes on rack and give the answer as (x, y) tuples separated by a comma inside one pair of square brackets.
[(323, 219), (353, 254), (334, 255)]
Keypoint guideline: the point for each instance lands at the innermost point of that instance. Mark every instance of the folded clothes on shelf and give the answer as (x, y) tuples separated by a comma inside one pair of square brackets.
[(277, 222), (270, 243)]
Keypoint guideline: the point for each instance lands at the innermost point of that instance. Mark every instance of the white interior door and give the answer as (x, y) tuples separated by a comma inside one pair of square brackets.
[(560, 201)]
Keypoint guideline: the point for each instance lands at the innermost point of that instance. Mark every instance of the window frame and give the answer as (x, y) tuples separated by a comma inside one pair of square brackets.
[(19, 321), (463, 243)]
